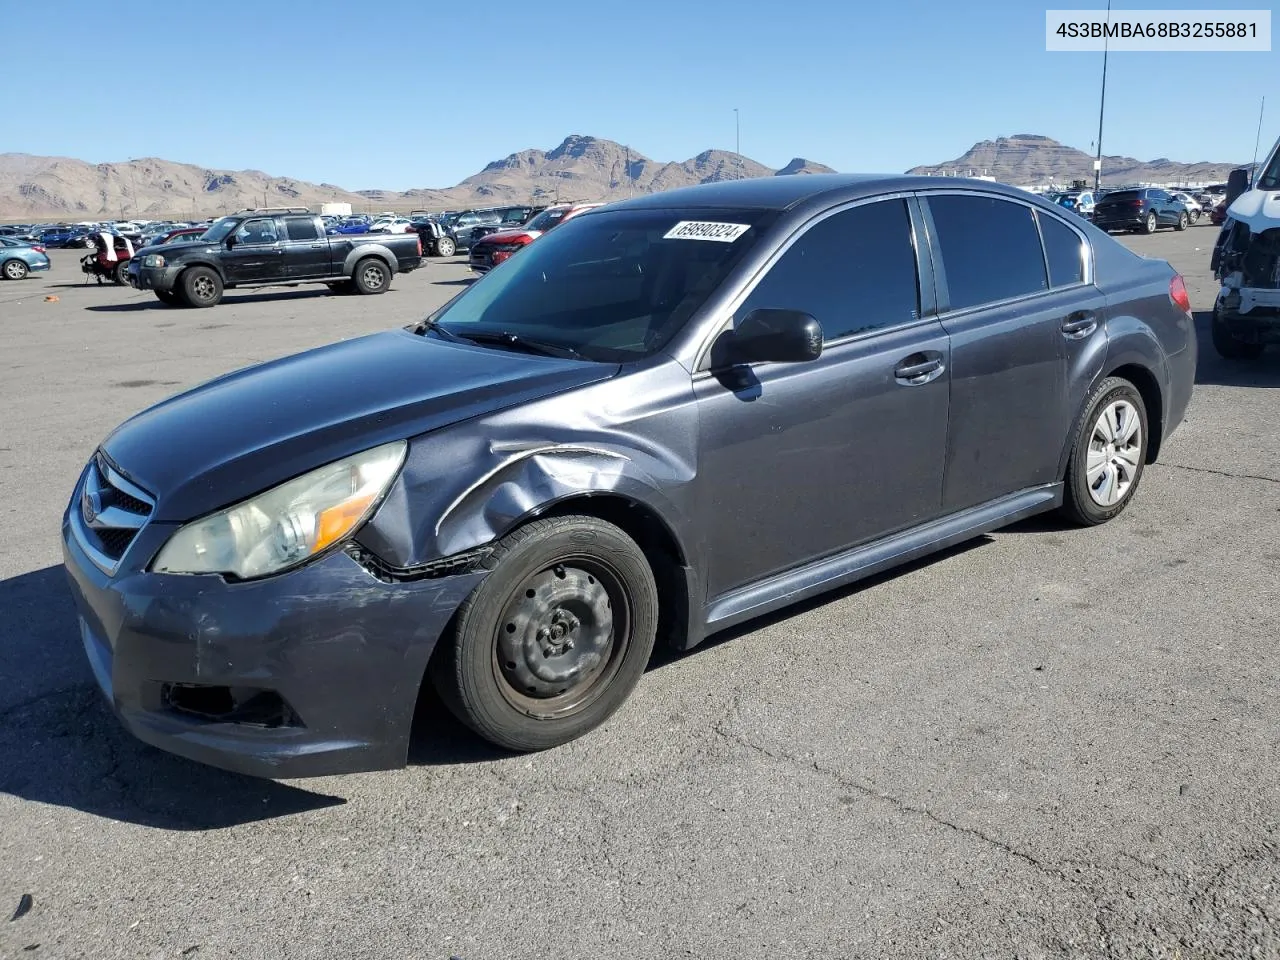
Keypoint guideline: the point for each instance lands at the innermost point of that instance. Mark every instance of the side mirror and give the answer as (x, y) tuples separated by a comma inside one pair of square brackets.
[(1237, 183), (770, 335), (231, 241)]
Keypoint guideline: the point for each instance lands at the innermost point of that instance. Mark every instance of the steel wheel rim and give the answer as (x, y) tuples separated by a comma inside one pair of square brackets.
[(372, 277), (1115, 453), (13, 270), (555, 653)]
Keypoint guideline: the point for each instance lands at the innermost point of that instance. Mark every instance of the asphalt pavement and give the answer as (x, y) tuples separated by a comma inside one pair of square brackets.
[(1050, 742)]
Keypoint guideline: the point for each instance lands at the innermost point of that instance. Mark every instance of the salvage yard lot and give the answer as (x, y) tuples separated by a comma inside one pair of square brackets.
[(1050, 742)]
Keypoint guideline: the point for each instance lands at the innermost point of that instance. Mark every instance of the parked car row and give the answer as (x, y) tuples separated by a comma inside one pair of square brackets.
[(1137, 208)]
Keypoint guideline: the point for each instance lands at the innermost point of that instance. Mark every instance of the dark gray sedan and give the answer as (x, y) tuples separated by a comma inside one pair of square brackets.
[(665, 418)]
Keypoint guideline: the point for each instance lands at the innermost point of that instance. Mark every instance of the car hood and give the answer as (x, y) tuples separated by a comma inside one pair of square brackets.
[(1260, 209), (245, 432), (507, 236)]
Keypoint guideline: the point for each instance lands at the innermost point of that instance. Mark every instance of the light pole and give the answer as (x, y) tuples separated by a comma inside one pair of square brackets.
[(737, 142), (1097, 163), (133, 178)]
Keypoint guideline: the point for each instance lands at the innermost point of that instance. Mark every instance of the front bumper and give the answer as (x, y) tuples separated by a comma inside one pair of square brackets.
[(163, 279), (1251, 314), (345, 651)]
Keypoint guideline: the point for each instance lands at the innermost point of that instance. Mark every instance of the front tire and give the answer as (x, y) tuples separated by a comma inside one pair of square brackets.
[(120, 275), (1183, 221), (1151, 224), (372, 276), (555, 638), (14, 270), (1228, 346), (445, 247), (201, 287), (1108, 454)]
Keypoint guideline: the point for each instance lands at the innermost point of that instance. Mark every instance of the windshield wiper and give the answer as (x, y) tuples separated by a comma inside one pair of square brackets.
[(518, 341), (434, 327)]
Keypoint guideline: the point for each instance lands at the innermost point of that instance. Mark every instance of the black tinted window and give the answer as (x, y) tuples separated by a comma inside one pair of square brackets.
[(854, 271), (1063, 250), (990, 249), (301, 229)]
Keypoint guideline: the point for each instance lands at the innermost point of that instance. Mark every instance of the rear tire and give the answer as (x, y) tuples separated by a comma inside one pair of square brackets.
[(371, 276), (1151, 224), (1228, 346), (120, 275), (551, 643), (14, 270), (1108, 454), (1183, 221), (201, 287)]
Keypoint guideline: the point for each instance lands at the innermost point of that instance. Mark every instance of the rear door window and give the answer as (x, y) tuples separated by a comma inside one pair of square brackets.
[(990, 249), (855, 272), (302, 229)]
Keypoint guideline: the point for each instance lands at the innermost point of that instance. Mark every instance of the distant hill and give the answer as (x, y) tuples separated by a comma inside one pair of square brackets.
[(580, 168), (1026, 159)]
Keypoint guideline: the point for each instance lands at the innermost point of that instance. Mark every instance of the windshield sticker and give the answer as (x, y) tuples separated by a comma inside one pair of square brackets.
[(699, 230)]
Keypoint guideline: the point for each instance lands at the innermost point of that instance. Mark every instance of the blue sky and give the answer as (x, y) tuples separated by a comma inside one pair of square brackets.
[(395, 94)]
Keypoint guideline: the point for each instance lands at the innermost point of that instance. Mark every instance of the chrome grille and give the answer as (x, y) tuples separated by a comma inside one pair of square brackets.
[(111, 512)]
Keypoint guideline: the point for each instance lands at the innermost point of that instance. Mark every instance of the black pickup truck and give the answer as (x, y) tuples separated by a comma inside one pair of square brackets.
[(271, 247)]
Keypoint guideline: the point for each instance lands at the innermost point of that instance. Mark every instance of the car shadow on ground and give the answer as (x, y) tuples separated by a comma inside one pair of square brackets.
[(665, 657), (1212, 370), (229, 300), (60, 744)]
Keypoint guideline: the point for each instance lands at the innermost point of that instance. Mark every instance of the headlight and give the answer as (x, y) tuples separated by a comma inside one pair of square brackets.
[(288, 524), (153, 260)]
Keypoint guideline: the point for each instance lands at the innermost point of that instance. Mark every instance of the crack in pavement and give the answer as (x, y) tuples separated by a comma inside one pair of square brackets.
[(901, 805), (1220, 473), (21, 705)]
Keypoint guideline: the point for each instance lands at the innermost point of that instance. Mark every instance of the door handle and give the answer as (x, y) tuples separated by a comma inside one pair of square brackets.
[(1079, 325), (917, 369), (317, 246)]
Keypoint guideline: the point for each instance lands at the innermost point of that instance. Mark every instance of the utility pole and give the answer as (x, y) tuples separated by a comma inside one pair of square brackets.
[(1097, 163)]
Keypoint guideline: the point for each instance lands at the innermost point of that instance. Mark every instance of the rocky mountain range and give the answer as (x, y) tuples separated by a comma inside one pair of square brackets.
[(580, 168), (1027, 159)]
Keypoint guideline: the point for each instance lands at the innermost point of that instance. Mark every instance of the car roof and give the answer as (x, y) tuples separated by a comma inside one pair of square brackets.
[(786, 192)]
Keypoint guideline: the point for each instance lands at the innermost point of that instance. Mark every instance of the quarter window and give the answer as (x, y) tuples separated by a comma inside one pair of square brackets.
[(990, 249), (854, 272), (1064, 251)]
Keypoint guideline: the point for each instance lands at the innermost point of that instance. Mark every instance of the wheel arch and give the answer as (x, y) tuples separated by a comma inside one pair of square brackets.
[(186, 265), (365, 250), (1148, 387)]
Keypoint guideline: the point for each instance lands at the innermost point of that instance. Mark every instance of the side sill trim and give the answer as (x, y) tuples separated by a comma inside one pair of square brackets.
[(829, 573)]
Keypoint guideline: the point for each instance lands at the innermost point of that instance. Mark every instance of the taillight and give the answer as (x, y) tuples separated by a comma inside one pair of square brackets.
[(38, 249), (419, 244), (1178, 293), (1137, 203)]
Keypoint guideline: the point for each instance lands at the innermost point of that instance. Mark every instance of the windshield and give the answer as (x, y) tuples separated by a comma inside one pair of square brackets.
[(546, 219), (1270, 179), (611, 287), (219, 230)]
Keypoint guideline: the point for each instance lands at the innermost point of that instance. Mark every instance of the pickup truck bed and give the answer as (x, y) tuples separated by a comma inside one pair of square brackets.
[(264, 249)]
